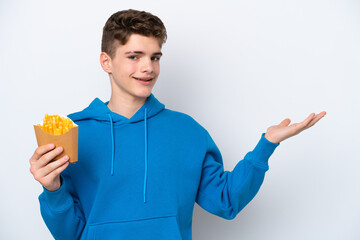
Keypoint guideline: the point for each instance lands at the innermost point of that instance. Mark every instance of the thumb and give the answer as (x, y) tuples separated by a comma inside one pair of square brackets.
[(285, 122)]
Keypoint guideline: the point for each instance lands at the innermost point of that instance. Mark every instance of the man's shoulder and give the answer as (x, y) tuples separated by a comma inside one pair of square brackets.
[(178, 115), (182, 118)]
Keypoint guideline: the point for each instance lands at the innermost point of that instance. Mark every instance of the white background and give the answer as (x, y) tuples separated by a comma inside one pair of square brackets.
[(237, 67)]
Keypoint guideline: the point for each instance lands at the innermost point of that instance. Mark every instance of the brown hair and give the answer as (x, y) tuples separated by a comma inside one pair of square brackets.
[(122, 24)]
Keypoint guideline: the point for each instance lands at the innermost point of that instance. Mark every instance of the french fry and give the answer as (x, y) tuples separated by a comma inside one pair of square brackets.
[(56, 125)]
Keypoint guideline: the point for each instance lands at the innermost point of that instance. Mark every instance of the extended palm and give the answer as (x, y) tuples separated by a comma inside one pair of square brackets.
[(278, 133)]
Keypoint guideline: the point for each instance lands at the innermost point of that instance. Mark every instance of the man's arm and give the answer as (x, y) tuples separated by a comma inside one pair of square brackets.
[(60, 208), (225, 193)]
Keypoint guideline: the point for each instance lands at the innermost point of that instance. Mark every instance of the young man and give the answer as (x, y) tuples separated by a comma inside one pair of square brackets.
[(141, 166)]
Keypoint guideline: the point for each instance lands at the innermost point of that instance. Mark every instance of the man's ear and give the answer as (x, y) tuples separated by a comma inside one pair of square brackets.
[(105, 62)]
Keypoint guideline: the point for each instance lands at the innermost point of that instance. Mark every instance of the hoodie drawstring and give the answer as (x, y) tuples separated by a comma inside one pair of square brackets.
[(146, 151), (112, 146), (146, 160)]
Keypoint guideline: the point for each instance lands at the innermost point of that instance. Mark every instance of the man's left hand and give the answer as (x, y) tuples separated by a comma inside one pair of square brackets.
[(278, 133)]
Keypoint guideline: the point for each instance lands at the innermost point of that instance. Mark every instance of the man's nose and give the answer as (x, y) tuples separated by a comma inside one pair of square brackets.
[(147, 66)]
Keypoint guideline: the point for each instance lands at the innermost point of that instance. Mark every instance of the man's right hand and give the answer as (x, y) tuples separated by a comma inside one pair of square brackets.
[(48, 174)]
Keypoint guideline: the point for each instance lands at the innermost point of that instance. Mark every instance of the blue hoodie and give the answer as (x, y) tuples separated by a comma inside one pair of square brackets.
[(139, 178)]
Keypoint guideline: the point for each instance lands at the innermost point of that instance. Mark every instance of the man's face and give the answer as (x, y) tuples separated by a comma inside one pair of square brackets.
[(134, 63)]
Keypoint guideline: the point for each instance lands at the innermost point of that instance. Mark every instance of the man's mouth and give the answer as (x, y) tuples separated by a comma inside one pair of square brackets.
[(143, 79)]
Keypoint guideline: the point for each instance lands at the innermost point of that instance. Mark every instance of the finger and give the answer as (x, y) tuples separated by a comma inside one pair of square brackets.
[(304, 123), (322, 114), (41, 151), (46, 170), (52, 175), (46, 158), (299, 127), (285, 122), (316, 119)]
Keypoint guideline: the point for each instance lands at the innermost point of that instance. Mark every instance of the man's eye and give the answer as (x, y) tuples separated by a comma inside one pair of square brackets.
[(133, 57), (155, 58)]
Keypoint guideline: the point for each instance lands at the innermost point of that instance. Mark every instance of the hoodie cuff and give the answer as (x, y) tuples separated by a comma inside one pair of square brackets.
[(59, 200), (262, 152)]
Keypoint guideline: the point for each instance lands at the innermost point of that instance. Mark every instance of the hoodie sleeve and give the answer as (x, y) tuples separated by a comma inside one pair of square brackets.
[(225, 193), (61, 211)]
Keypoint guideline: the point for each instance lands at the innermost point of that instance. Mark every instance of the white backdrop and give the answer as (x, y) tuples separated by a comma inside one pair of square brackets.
[(237, 67)]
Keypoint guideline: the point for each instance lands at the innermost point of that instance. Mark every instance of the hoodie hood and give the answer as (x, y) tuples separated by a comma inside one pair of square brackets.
[(98, 110)]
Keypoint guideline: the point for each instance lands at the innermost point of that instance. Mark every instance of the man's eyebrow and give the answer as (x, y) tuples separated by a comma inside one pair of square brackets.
[(140, 52)]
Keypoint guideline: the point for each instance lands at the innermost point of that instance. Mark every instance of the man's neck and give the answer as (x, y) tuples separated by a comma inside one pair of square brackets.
[(125, 106)]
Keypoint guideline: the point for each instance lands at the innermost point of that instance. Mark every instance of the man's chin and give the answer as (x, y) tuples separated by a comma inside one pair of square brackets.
[(143, 94)]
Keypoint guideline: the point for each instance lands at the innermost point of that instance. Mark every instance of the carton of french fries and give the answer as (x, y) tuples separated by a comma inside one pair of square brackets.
[(61, 131)]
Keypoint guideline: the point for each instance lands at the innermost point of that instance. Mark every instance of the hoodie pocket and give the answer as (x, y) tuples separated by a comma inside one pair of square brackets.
[(144, 229)]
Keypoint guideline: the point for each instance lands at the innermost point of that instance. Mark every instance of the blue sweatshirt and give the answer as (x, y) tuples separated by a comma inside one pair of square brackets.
[(139, 178)]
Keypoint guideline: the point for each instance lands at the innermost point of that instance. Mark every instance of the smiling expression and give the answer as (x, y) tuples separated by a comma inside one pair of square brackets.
[(135, 68)]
